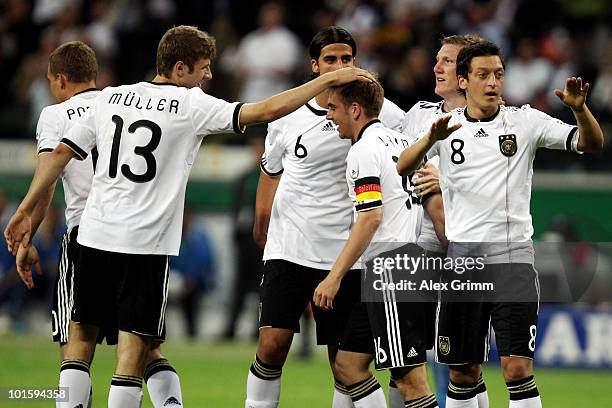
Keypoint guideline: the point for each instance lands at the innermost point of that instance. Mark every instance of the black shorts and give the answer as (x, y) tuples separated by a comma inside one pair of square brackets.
[(464, 328), (287, 288), (126, 291), (63, 292), (397, 333)]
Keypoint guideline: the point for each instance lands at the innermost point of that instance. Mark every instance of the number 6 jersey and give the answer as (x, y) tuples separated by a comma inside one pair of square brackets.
[(147, 136)]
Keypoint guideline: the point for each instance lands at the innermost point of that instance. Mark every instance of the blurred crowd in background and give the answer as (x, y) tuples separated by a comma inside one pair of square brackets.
[(262, 50)]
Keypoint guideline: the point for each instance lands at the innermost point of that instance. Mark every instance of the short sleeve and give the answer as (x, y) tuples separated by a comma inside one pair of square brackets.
[(363, 179), (210, 115), (47, 132), (392, 116), (408, 124), (272, 158), (552, 133), (82, 136)]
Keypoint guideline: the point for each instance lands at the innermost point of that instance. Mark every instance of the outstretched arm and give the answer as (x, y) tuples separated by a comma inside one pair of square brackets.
[(359, 238), (286, 102), (574, 96), (412, 157), (266, 190), (19, 229)]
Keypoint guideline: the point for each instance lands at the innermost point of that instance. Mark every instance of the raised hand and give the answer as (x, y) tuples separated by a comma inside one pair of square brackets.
[(350, 74), (440, 130), (26, 258), (18, 231), (574, 94)]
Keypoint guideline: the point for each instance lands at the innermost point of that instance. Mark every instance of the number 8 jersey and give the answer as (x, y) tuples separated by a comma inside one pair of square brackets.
[(147, 136), (486, 169)]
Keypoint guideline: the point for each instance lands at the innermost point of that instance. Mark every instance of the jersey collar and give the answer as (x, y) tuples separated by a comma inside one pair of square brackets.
[(318, 112), (163, 83), (367, 125), (86, 90), (489, 119)]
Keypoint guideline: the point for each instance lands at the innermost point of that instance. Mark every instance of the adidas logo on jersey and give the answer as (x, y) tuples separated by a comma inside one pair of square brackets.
[(328, 127), (412, 353), (172, 402), (481, 133)]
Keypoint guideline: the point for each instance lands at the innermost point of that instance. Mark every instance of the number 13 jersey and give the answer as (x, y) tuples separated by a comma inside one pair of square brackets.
[(147, 136)]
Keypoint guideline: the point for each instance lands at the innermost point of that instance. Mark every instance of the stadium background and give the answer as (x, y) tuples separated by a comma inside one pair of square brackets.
[(543, 41)]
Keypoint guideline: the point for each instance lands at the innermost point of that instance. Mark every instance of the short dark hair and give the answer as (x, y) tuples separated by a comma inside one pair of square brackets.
[(370, 95), (480, 49), (183, 43), (330, 35), (76, 60), (462, 40)]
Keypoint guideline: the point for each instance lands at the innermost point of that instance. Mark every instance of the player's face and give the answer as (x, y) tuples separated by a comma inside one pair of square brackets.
[(55, 86), (201, 72), (485, 83), (338, 113), (333, 57), (445, 70)]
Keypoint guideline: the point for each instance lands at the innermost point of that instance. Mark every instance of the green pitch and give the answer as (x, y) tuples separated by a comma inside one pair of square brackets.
[(213, 375)]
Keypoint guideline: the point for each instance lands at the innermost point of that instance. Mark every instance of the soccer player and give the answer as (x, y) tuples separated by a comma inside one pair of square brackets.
[(147, 135), (418, 119), (386, 214), (485, 177), (303, 216), (72, 75)]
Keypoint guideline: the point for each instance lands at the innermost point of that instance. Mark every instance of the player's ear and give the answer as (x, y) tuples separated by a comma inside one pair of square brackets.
[(355, 110), (314, 66), (179, 68), (463, 82), (63, 81)]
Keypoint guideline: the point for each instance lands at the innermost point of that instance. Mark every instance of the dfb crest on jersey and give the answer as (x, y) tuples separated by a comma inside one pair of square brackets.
[(444, 345), (507, 145)]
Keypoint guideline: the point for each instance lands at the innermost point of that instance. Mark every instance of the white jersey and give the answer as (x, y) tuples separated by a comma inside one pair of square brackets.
[(54, 122), (147, 136), (311, 213), (373, 182), (486, 169), (418, 120)]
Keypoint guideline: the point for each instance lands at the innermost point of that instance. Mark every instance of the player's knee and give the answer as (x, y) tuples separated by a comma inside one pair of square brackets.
[(411, 378), (465, 374), (349, 371), (515, 369), (273, 349)]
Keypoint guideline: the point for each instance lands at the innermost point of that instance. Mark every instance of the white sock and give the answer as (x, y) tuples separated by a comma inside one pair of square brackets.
[(125, 392), (395, 397), (367, 394), (90, 396), (468, 403), (163, 384), (263, 385), (373, 400), (483, 399), (534, 402), (74, 375), (341, 400)]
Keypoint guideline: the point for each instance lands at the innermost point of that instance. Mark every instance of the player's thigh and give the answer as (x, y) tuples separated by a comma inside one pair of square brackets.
[(285, 290), (132, 352), (142, 296), (332, 323)]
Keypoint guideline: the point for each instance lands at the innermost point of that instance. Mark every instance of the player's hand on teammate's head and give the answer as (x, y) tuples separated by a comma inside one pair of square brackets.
[(26, 258), (427, 180), (574, 94), (18, 231), (350, 74), (440, 130)]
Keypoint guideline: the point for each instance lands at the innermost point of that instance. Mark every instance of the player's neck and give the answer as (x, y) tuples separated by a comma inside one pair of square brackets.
[(322, 99), (160, 79), (477, 113), (76, 88), (453, 101), (361, 125)]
